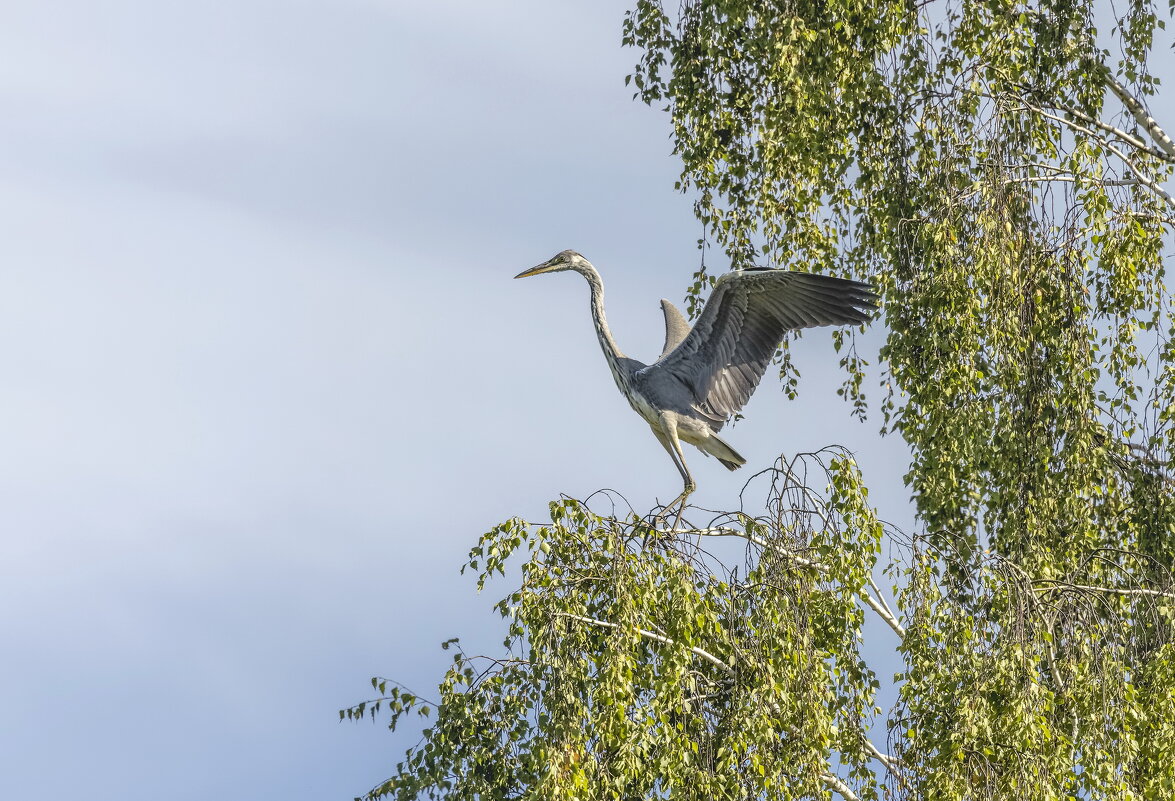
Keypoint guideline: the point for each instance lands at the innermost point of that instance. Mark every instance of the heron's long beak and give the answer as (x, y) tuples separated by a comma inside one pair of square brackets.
[(538, 269)]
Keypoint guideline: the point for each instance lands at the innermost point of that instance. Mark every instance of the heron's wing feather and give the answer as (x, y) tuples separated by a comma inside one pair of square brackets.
[(723, 358), (676, 327)]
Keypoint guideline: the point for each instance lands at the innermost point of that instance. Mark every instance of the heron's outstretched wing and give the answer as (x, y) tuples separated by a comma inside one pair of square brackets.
[(676, 327), (720, 362)]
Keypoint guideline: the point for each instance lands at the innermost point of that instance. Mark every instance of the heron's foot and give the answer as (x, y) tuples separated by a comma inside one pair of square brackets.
[(659, 519), (680, 503), (653, 528)]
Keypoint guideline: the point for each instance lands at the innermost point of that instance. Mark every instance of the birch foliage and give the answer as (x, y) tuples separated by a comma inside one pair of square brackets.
[(994, 167)]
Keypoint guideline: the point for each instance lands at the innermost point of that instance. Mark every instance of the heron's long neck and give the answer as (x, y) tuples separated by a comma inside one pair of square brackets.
[(611, 350)]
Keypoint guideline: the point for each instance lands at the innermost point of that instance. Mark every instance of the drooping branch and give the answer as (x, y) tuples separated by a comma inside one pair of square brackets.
[(652, 635), (1143, 179), (1065, 585), (877, 604), (832, 780), (1125, 136), (1146, 121), (1146, 181), (1071, 179)]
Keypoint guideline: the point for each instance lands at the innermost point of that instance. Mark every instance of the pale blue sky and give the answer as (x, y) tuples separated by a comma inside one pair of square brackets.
[(268, 376)]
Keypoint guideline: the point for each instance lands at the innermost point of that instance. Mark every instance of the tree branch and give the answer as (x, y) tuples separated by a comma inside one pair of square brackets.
[(1071, 179), (652, 635), (877, 606), (828, 778), (884, 614), (890, 763), (1125, 136), (839, 786), (1055, 584), (881, 598), (1148, 123), (1149, 183), (1142, 179)]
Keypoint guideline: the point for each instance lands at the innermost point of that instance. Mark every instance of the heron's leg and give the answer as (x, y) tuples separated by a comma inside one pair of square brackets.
[(668, 438), (658, 519), (663, 438)]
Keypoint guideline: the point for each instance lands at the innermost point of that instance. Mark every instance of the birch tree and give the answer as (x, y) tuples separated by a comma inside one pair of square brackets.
[(996, 169)]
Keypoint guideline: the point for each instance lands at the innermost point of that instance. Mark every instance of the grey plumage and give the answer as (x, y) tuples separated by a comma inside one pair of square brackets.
[(708, 372)]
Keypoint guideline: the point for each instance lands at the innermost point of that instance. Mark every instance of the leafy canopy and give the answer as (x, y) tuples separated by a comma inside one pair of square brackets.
[(992, 166)]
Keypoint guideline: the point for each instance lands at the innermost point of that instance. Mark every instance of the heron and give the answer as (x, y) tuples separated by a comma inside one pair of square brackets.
[(706, 373)]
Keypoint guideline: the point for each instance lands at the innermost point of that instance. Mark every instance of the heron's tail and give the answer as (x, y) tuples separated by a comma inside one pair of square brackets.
[(723, 453)]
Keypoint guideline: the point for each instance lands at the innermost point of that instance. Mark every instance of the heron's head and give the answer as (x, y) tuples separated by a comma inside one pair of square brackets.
[(565, 260)]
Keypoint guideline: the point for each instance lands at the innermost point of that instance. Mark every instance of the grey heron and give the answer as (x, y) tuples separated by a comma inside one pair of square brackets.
[(706, 373)]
